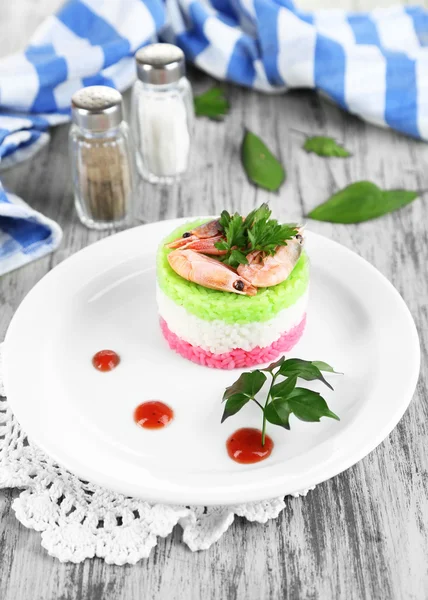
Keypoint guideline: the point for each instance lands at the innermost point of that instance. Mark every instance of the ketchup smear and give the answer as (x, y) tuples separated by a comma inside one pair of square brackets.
[(245, 446), (105, 360), (153, 415)]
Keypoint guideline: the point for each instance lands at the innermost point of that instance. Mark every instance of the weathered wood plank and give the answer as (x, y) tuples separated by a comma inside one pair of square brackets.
[(362, 535)]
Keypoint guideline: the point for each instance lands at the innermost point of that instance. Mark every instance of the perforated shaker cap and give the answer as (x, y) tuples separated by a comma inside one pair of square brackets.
[(160, 64), (97, 108)]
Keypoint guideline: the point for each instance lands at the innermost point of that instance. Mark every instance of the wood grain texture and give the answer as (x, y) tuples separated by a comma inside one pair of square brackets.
[(361, 535)]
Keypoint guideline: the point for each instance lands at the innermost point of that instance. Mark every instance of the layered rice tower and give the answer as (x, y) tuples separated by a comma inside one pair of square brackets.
[(226, 330)]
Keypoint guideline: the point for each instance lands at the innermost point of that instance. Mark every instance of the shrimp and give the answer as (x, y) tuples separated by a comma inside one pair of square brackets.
[(208, 272), (264, 270), (201, 239)]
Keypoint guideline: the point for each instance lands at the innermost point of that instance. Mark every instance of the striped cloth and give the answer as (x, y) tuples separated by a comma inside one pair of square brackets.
[(24, 233)]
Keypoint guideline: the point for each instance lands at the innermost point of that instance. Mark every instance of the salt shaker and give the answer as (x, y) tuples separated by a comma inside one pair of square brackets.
[(162, 113), (101, 158)]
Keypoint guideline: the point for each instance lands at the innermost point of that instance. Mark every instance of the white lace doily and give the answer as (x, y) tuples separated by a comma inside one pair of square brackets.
[(81, 520)]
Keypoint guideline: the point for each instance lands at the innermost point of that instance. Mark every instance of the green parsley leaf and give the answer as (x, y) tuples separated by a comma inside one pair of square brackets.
[(325, 146), (262, 213), (212, 104), (224, 220), (261, 166), (235, 234), (361, 201), (248, 384), (236, 258), (304, 369), (256, 232), (222, 245), (233, 229), (268, 235)]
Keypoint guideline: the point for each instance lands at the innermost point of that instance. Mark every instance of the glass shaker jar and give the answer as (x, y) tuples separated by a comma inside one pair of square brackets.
[(162, 113), (101, 159)]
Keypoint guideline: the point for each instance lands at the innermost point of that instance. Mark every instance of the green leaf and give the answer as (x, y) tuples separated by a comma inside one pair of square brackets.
[(323, 366), (256, 232), (395, 199), (283, 389), (222, 245), (308, 405), (361, 201), (325, 146), (212, 104), (262, 213), (248, 384), (233, 405), (278, 412), (261, 166), (237, 258), (275, 364), (305, 404), (304, 369), (235, 232), (224, 220), (268, 235)]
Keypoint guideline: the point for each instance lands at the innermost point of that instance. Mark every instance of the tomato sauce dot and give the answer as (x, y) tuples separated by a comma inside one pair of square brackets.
[(153, 415), (245, 446), (105, 360)]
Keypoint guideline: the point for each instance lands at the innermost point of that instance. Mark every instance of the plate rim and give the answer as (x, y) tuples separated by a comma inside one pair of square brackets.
[(245, 496)]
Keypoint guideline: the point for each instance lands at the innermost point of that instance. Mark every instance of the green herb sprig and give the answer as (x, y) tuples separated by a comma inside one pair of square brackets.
[(283, 398), (256, 232)]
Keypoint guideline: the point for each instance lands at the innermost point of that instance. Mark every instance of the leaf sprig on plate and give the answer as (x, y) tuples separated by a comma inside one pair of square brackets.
[(283, 397), (256, 232)]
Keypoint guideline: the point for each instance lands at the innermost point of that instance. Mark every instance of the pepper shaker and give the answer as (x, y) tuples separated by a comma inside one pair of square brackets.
[(162, 113), (101, 159)]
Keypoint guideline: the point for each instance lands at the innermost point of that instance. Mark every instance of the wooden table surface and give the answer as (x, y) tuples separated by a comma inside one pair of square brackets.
[(361, 535)]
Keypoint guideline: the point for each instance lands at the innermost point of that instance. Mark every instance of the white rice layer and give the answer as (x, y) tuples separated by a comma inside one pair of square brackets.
[(218, 336)]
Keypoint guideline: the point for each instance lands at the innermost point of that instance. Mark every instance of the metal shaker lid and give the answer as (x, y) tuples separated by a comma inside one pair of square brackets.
[(160, 64), (97, 108)]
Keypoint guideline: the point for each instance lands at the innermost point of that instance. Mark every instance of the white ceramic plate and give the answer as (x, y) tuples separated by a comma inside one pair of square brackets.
[(104, 297)]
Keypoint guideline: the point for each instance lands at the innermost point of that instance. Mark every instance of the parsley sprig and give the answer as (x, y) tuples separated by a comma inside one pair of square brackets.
[(283, 398), (256, 232)]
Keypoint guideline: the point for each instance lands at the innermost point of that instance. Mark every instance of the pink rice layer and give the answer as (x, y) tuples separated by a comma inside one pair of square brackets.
[(237, 358)]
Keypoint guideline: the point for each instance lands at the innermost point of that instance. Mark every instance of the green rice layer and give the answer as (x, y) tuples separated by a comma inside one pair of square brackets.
[(210, 304)]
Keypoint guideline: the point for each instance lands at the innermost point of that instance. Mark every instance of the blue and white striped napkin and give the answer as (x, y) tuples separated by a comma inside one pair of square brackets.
[(24, 233)]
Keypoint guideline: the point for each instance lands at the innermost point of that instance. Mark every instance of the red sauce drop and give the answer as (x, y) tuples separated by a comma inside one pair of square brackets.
[(245, 446), (105, 360), (153, 415)]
